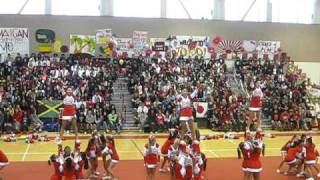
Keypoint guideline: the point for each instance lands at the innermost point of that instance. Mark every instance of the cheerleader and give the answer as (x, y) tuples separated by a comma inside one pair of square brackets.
[(69, 169), (291, 157), (3, 162), (151, 155), (254, 166), (57, 168), (255, 105), (173, 133), (68, 114), (184, 165), (311, 155), (198, 161), (81, 163), (244, 150), (173, 154), (91, 152), (110, 149), (284, 150), (186, 116)]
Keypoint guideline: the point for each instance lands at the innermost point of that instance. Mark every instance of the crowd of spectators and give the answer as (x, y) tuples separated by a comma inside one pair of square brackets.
[(154, 83), (26, 80), (285, 88)]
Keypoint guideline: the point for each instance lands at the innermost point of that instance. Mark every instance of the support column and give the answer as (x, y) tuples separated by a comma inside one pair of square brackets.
[(269, 11), (106, 7), (316, 12), (163, 9), (219, 9), (48, 7)]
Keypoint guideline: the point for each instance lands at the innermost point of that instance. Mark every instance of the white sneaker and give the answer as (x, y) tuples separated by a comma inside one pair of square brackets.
[(97, 173), (162, 170), (106, 177), (318, 175), (300, 174), (58, 140), (285, 173), (310, 178), (278, 171), (168, 169)]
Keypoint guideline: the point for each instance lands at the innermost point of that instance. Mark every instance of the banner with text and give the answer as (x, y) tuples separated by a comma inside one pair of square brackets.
[(14, 40), (190, 46), (139, 40)]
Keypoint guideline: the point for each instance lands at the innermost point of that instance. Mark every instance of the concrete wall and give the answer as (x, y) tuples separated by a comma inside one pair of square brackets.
[(300, 41)]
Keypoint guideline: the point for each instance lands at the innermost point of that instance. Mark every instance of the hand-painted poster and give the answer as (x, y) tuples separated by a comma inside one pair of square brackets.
[(14, 40), (139, 40), (82, 44), (249, 46), (267, 47), (103, 36), (190, 46), (124, 45), (229, 46)]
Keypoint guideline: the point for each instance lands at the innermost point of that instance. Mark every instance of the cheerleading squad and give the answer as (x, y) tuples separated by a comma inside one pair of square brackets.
[(301, 156), (183, 155), (72, 165)]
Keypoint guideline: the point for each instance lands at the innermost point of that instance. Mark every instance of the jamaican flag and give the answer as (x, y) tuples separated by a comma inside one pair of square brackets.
[(49, 108)]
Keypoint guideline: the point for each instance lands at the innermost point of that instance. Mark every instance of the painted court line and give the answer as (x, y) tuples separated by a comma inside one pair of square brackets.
[(214, 154), (25, 153)]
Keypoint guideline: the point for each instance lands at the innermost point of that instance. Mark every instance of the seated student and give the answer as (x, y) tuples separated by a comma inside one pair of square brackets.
[(90, 119), (284, 118), (275, 119), (113, 117)]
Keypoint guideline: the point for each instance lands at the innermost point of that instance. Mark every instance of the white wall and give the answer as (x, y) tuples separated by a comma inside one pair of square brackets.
[(312, 69)]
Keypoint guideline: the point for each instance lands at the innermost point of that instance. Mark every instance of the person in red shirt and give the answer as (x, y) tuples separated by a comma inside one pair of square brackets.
[(244, 150), (173, 133), (57, 171), (69, 169), (291, 158), (151, 155), (311, 155), (160, 120), (81, 163), (284, 117), (18, 117), (3, 162)]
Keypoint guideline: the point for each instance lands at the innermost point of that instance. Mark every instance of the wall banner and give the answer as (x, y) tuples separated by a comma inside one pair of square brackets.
[(14, 40)]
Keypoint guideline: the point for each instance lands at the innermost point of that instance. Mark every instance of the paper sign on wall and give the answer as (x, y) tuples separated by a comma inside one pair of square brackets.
[(103, 36), (14, 40), (82, 44), (139, 40), (267, 47)]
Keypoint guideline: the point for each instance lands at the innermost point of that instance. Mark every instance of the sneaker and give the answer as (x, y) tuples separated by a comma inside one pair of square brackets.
[(168, 169), (301, 174), (278, 171), (285, 173), (318, 175), (162, 170), (97, 173), (106, 177), (310, 178), (58, 140), (93, 176)]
